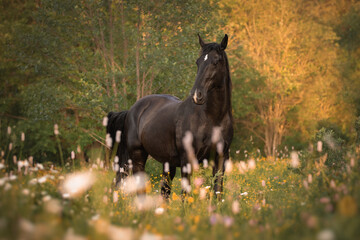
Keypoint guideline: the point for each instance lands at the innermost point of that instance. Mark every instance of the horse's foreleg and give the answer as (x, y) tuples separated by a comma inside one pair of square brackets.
[(218, 171), (168, 176)]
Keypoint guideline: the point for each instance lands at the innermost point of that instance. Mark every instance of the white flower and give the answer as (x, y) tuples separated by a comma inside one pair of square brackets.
[(105, 121), (108, 140), (326, 234), (159, 211), (136, 183), (56, 129), (251, 164), (77, 183), (22, 136), (319, 146), (235, 207), (244, 194), (295, 163)]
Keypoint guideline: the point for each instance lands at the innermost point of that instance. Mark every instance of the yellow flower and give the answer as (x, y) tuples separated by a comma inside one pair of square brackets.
[(190, 199), (347, 206), (175, 197)]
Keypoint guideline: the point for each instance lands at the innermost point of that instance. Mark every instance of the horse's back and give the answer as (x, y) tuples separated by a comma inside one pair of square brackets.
[(151, 125)]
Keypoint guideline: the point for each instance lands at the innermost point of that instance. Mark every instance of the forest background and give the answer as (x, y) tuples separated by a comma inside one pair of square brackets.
[(295, 68)]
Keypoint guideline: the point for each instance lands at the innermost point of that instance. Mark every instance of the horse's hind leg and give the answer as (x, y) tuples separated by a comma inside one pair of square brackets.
[(168, 176)]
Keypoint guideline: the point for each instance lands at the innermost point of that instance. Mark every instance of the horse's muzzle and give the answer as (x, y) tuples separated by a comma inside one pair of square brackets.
[(198, 97)]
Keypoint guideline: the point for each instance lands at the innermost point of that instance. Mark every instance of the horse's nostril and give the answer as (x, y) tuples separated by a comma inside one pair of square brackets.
[(199, 95)]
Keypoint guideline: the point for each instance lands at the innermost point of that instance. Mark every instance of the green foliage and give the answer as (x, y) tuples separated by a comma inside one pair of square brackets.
[(333, 146)]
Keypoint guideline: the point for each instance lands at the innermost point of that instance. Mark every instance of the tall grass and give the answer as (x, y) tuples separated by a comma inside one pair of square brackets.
[(262, 199)]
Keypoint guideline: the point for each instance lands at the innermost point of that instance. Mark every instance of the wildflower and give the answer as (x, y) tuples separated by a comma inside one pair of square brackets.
[(306, 184), (72, 155), (237, 151), (118, 136), (25, 191), (105, 121), (105, 199), (347, 206), (295, 163), (228, 166), (136, 183), (242, 167), (8, 130), (159, 211), (206, 163), (22, 136), (352, 162), (202, 194), (166, 167), (332, 184), (42, 179), (190, 200), (324, 200), (326, 234), (56, 129), (46, 198), (108, 140), (312, 222), (263, 183), (235, 207), (185, 185), (319, 146), (10, 146), (228, 221), (251, 164), (198, 181), (7, 186), (175, 197), (53, 206), (310, 178), (77, 183), (146, 202), (244, 194)]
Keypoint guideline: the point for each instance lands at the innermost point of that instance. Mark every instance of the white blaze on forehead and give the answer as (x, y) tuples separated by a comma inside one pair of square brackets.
[(206, 57), (195, 96)]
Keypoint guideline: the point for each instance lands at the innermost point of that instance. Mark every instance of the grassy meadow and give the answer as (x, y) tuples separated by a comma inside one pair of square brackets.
[(296, 196)]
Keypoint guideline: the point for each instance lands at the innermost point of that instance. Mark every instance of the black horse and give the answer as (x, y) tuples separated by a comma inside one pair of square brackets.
[(157, 124)]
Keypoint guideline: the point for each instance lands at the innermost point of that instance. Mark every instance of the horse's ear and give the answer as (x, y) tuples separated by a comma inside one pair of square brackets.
[(224, 42), (202, 43)]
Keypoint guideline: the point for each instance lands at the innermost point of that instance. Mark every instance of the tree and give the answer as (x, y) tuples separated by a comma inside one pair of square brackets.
[(291, 61)]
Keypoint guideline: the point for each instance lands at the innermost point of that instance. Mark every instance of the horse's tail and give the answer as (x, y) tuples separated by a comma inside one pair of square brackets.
[(116, 122)]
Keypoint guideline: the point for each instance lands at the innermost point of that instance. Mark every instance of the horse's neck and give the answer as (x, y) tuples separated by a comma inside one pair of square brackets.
[(219, 103)]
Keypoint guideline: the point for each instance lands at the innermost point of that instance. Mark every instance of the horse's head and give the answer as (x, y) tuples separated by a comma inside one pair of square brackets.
[(212, 70)]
